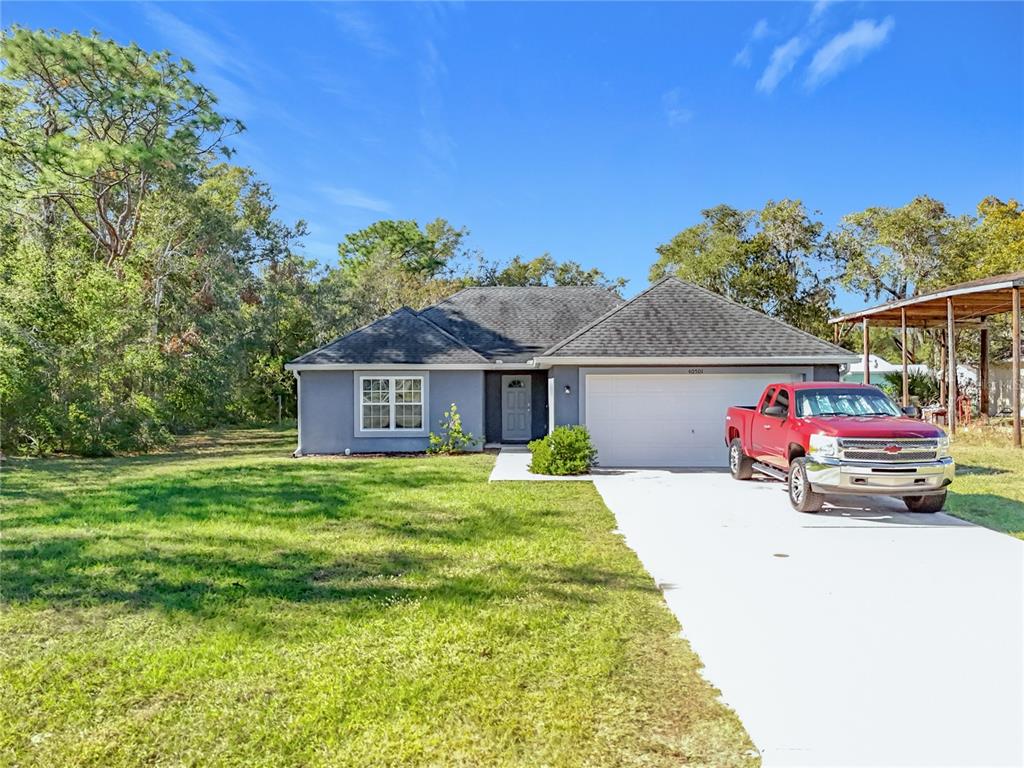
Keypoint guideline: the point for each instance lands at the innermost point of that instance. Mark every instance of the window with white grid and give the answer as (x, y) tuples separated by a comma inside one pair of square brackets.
[(391, 403)]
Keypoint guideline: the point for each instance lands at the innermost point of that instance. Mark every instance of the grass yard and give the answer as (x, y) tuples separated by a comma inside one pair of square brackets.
[(989, 486), (225, 605)]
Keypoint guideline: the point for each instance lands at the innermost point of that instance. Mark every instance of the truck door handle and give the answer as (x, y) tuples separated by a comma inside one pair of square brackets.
[(767, 426)]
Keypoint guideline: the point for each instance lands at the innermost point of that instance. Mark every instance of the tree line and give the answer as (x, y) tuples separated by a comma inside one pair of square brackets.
[(148, 286), (783, 261)]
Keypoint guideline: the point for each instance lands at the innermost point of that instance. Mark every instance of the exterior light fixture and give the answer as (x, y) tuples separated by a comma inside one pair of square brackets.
[(568, 389)]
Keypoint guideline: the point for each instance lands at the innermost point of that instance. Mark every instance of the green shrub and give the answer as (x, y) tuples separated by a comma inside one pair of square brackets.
[(924, 386), (566, 451), (452, 439)]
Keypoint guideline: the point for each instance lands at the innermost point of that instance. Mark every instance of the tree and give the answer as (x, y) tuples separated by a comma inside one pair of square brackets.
[(1001, 230), (763, 259), (543, 270), (94, 127), (387, 265), (897, 253), (144, 287), (426, 252)]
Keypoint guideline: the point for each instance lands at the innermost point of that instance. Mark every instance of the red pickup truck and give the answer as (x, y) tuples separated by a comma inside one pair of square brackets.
[(825, 437)]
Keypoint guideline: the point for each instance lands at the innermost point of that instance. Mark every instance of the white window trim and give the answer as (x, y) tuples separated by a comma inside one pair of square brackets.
[(393, 430)]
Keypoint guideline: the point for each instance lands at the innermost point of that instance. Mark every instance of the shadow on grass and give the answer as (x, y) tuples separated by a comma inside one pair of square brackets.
[(971, 469), (996, 512), (215, 579), (209, 540), (196, 490)]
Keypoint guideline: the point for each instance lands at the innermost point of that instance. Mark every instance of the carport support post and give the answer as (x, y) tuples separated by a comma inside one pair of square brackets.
[(951, 367), (983, 372), (1016, 367), (906, 383), (867, 352)]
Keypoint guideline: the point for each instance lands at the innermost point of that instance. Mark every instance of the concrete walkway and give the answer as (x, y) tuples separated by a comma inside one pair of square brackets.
[(511, 464), (863, 635)]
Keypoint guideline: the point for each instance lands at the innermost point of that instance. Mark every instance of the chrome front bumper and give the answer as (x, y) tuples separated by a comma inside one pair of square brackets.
[(831, 475)]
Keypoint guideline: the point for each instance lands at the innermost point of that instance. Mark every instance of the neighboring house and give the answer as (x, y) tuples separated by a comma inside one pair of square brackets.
[(1000, 388), (966, 376), (651, 377), (879, 367)]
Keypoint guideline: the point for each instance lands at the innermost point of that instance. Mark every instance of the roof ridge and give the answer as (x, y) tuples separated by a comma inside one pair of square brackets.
[(354, 331), (765, 315), (449, 297), (714, 295), (625, 303), (419, 315)]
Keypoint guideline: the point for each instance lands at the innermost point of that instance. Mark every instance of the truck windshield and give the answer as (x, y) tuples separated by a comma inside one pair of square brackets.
[(844, 402)]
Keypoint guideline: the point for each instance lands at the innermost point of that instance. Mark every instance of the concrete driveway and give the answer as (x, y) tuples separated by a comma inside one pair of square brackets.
[(862, 635)]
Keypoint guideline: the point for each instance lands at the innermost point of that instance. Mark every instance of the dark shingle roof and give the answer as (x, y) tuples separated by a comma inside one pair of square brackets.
[(401, 337), (677, 319), (514, 324)]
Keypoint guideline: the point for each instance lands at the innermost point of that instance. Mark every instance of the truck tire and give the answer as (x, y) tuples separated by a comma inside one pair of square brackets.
[(740, 465), (801, 496), (933, 503)]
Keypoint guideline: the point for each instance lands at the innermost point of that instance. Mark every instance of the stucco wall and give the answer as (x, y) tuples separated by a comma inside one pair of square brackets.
[(826, 373), (327, 404), (566, 406), (327, 410)]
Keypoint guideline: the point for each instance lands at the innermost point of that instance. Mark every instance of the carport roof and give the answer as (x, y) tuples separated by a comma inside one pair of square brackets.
[(971, 301), (677, 320)]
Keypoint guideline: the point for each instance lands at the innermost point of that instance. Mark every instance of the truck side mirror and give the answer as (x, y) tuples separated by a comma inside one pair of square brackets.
[(775, 411), (912, 411)]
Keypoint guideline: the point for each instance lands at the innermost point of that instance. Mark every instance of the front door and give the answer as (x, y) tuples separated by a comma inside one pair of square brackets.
[(515, 407)]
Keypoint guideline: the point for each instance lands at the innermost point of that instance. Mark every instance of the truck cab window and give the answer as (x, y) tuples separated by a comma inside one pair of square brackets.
[(782, 399)]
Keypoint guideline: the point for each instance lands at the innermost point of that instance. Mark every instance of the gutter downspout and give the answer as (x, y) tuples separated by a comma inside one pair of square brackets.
[(298, 412)]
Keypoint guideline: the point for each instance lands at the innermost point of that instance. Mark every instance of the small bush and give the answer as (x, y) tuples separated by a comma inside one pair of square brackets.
[(924, 386), (452, 439), (566, 451)]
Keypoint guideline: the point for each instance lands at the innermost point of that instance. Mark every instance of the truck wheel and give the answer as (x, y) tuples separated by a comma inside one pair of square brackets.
[(801, 496), (933, 503), (741, 465)]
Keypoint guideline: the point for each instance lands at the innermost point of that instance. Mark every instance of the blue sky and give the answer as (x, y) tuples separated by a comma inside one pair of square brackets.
[(596, 131)]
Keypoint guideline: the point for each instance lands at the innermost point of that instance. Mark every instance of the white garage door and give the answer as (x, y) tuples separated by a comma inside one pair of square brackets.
[(667, 420)]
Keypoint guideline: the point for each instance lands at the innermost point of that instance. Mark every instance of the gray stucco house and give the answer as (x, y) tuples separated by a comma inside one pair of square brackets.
[(650, 377)]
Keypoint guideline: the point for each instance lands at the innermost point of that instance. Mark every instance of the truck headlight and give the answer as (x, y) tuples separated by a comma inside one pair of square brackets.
[(824, 445), (942, 447)]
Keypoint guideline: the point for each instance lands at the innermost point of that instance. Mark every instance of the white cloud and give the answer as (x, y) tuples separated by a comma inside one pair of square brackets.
[(197, 45), (783, 59), (347, 197), (819, 8), (437, 143), (221, 66), (847, 48), (745, 55), (358, 27), (675, 111)]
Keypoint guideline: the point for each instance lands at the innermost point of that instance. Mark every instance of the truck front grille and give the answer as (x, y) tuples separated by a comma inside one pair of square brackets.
[(888, 451)]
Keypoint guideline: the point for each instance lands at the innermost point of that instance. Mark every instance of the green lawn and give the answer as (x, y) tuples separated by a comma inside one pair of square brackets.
[(989, 485), (227, 605)]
